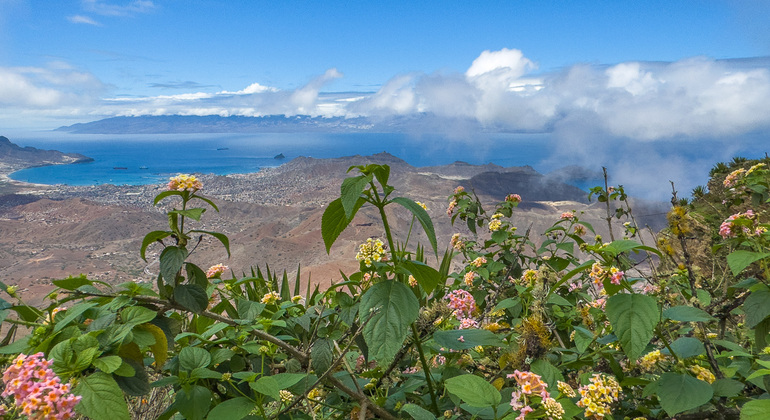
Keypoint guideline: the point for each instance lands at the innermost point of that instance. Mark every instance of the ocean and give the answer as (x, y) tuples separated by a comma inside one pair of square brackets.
[(146, 159)]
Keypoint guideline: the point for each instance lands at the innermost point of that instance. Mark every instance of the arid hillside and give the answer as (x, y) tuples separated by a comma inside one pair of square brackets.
[(271, 217)]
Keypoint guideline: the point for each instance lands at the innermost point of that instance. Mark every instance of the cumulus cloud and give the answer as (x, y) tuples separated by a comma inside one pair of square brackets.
[(56, 85)]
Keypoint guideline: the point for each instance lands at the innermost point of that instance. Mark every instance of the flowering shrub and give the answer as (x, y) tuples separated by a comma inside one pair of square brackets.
[(565, 326)]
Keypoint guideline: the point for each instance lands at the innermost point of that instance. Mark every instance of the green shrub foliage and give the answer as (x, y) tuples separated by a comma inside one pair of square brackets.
[(565, 325)]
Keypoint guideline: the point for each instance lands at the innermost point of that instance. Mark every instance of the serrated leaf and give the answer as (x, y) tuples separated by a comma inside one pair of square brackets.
[(473, 390), (422, 216), (108, 364), (427, 277), (191, 358), (417, 412), (685, 347), (350, 192), (549, 373), (396, 308), (151, 237), (102, 398), (583, 338), (193, 403), (135, 315), (193, 213), (757, 306), (740, 259), (687, 314), (72, 283), (680, 392), (192, 297), (633, 318), (267, 385), (755, 410), (466, 339), (322, 355), (334, 221), (171, 260), (219, 236), (195, 275), (232, 409)]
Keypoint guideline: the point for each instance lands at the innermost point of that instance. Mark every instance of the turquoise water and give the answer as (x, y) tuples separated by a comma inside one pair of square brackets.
[(149, 159)]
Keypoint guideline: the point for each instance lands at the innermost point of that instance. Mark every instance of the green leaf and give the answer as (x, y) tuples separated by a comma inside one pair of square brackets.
[(248, 309), (583, 338), (740, 259), (322, 355), (165, 194), (417, 412), (267, 385), (135, 315), (220, 236), (73, 313), (427, 277), (108, 364), (677, 392), (334, 221), (422, 216), (193, 357), (193, 403), (616, 248), (192, 297), (193, 213), (687, 314), (102, 398), (232, 409), (466, 339), (633, 317), (757, 306), (549, 373), (72, 283), (727, 387), (755, 410), (685, 347), (396, 308), (473, 390), (350, 192), (171, 260), (196, 276), (151, 237)]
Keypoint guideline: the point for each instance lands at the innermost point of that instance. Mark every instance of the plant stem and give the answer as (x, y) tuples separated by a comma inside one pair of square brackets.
[(426, 368)]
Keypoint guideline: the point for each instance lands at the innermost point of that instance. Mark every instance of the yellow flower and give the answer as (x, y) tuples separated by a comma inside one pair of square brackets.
[(184, 182), (371, 251), (270, 298), (424, 207)]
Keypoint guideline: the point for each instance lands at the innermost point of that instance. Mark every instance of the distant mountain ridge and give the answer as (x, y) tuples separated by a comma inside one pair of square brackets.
[(14, 155), (168, 124)]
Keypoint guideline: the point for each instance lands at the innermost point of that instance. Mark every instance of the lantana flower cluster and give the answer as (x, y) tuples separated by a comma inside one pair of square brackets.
[(462, 302), (216, 270), (703, 374), (531, 385), (37, 390), (745, 223), (495, 224), (650, 361), (184, 182), (373, 250), (598, 396), (270, 298), (598, 274)]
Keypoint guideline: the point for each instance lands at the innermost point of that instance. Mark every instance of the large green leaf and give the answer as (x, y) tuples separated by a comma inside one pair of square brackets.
[(151, 237), (427, 276), (633, 317), (136, 315), (193, 357), (267, 385), (193, 402), (396, 308), (422, 216), (334, 221), (193, 213), (220, 236), (473, 390), (687, 314), (740, 259), (757, 306), (322, 355), (232, 409), (466, 339), (417, 412), (755, 410), (72, 283), (350, 192), (680, 392), (102, 398), (192, 297), (548, 372), (171, 260), (685, 347), (618, 247)]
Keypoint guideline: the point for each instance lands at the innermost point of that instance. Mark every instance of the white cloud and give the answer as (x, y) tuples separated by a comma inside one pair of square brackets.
[(105, 8), (83, 19), (304, 98), (54, 86)]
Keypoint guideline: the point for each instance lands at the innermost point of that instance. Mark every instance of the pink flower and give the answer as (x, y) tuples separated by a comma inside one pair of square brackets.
[(37, 389), (513, 198), (462, 302), (466, 323), (567, 215), (216, 270)]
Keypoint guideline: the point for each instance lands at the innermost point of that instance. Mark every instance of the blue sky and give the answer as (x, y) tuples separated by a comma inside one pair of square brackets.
[(627, 73)]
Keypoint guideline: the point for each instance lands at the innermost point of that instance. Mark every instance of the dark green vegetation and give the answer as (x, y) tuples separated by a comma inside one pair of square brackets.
[(577, 326)]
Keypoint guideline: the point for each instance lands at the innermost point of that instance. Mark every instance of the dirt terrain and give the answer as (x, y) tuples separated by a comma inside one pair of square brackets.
[(271, 217)]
